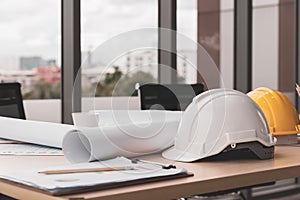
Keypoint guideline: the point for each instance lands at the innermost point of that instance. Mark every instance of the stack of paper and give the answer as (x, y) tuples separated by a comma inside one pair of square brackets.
[(59, 184), (29, 150)]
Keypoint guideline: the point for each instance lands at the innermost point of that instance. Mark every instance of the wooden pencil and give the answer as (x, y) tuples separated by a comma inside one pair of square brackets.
[(84, 170)]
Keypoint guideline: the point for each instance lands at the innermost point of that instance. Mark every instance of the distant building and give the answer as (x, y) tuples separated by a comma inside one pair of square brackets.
[(28, 71), (51, 62), (90, 60), (27, 78), (187, 65), (145, 61), (50, 74), (27, 63)]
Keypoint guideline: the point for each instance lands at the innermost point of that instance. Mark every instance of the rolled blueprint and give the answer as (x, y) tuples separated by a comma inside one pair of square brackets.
[(121, 133), (109, 133), (36, 132)]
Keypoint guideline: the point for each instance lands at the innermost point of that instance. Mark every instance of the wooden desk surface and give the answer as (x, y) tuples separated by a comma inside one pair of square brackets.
[(208, 176)]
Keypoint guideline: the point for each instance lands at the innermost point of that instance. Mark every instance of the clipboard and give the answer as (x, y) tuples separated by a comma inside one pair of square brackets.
[(77, 190), (144, 173)]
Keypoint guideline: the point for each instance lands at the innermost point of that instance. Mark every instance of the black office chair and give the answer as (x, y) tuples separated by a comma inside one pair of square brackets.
[(168, 96), (11, 102)]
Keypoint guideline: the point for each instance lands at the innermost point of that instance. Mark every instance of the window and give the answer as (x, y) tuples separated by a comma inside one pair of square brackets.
[(30, 46), (211, 24), (265, 44), (104, 22), (274, 47), (187, 17), (226, 42)]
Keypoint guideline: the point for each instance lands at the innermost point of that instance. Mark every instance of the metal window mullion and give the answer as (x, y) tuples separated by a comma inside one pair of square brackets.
[(71, 60), (167, 41), (243, 45)]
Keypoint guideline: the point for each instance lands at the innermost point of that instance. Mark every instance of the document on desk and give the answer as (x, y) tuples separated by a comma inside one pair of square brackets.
[(60, 184), (29, 150)]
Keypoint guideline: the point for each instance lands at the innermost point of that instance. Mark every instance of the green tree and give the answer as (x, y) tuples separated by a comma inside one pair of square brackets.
[(105, 87), (117, 84), (114, 77), (126, 85), (44, 90)]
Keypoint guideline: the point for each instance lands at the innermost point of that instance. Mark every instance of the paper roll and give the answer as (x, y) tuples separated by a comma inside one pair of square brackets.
[(36, 132), (121, 133)]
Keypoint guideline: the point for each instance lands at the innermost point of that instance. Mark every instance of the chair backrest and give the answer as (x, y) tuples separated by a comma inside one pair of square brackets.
[(11, 102), (168, 96)]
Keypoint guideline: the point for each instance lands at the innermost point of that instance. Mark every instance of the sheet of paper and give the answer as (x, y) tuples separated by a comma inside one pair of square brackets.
[(141, 171), (28, 150), (149, 132), (43, 133)]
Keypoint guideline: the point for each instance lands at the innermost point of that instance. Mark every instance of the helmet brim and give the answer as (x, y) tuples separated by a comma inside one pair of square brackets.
[(179, 155), (258, 149)]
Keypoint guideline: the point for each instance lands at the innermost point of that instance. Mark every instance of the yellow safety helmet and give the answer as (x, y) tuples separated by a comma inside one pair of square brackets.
[(279, 111)]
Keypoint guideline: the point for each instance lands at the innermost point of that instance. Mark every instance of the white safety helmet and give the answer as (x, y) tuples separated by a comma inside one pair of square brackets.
[(221, 120)]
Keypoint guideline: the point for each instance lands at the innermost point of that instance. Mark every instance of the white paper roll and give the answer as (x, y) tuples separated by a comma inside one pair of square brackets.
[(121, 133), (115, 133), (101, 143), (36, 132)]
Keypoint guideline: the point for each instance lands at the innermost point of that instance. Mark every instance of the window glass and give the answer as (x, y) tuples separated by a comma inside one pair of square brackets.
[(265, 44), (30, 46), (227, 42), (274, 47), (187, 17), (211, 24), (104, 23)]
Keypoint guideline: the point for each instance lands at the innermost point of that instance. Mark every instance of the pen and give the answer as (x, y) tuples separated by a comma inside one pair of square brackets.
[(83, 170), (154, 163)]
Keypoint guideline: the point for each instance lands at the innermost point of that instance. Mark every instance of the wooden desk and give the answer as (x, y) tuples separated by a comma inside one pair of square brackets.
[(208, 177)]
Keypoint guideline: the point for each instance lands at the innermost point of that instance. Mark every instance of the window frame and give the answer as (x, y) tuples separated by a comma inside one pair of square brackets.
[(71, 52)]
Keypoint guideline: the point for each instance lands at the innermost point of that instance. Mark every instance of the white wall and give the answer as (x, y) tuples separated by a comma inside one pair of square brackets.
[(265, 44), (43, 110), (226, 42), (109, 103)]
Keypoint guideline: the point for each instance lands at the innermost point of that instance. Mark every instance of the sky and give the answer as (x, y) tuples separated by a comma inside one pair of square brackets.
[(32, 27)]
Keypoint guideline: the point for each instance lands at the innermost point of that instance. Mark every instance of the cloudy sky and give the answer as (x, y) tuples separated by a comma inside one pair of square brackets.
[(32, 27)]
